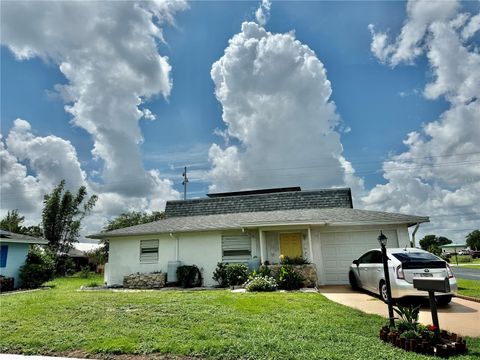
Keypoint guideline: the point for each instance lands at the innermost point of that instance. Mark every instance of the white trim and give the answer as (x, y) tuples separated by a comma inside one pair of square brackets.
[(262, 254), (341, 230), (309, 232), (18, 241)]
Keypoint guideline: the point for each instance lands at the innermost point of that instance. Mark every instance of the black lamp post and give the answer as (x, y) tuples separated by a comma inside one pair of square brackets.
[(382, 239)]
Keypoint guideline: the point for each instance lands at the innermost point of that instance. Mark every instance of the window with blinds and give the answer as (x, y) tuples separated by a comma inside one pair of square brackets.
[(148, 250), (236, 248)]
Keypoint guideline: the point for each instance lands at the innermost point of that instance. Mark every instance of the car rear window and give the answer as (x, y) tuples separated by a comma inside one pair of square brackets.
[(420, 256), (420, 260)]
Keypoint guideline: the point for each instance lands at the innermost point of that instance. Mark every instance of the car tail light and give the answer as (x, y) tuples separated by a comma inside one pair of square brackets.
[(449, 272), (400, 274)]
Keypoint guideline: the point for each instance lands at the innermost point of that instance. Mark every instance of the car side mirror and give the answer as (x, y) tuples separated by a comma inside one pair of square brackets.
[(355, 262)]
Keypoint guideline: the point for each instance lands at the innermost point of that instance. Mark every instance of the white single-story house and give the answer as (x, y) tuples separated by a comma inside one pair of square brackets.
[(13, 253), (320, 225), (452, 248)]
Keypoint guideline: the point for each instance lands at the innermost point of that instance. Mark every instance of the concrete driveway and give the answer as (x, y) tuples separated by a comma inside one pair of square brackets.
[(460, 316)]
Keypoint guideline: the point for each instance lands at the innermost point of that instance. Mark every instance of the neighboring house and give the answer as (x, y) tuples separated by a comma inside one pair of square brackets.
[(79, 258), (319, 225), (452, 248), (13, 252)]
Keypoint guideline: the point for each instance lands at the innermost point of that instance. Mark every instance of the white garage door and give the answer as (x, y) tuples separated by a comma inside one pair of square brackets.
[(339, 249)]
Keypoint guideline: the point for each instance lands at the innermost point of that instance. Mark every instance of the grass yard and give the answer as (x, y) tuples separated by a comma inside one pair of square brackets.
[(207, 324), (469, 287)]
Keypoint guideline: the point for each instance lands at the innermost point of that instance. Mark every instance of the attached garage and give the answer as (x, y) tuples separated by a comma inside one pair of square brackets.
[(339, 249)]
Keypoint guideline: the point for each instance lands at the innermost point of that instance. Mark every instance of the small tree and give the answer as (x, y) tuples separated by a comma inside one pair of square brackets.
[(96, 257), (12, 222), (133, 218), (62, 216), (129, 219), (473, 240), (432, 243)]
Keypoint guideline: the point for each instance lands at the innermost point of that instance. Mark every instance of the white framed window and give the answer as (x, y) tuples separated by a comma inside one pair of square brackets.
[(148, 251), (236, 247)]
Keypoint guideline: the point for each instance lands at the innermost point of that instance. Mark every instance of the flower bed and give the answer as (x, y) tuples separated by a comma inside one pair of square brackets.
[(410, 335), (445, 345)]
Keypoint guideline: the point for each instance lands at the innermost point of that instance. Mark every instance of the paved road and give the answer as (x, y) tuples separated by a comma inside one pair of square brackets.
[(466, 273)]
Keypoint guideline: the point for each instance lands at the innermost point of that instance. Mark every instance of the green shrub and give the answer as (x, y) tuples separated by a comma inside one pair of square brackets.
[(85, 272), (410, 334), (220, 274), (298, 260), (264, 271), (237, 274), (464, 258), (38, 269), (93, 284), (408, 316), (64, 266), (6, 283), (289, 279), (189, 276), (261, 283)]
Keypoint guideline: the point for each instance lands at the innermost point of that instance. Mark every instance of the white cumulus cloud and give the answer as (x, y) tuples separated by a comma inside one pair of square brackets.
[(439, 173), (108, 52), (263, 12), (280, 121)]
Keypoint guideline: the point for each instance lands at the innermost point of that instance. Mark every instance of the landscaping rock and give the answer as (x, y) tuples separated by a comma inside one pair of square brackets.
[(144, 281)]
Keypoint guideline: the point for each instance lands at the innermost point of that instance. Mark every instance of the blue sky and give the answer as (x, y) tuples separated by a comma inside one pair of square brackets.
[(378, 103), (366, 92)]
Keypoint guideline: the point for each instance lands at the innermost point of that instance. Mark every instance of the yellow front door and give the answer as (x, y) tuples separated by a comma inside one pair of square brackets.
[(291, 245)]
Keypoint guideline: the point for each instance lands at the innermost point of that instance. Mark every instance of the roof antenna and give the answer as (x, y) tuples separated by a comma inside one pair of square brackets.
[(184, 183)]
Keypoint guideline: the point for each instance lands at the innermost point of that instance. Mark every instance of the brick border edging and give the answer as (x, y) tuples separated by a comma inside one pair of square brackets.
[(468, 298)]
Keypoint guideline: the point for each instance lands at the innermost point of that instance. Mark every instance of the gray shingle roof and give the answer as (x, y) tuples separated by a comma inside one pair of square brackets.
[(330, 216), (314, 199), (6, 236)]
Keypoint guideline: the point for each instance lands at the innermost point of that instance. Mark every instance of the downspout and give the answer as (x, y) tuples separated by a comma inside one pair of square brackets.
[(177, 245), (412, 244)]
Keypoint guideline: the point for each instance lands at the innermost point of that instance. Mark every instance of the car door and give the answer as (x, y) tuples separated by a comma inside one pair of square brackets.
[(364, 270), (375, 270)]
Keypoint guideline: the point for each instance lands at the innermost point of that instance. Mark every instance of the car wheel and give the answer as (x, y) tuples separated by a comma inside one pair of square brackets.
[(353, 280), (443, 300), (383, 291)]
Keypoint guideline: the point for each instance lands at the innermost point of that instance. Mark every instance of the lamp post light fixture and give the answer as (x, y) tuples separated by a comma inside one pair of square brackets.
[(382, 239)]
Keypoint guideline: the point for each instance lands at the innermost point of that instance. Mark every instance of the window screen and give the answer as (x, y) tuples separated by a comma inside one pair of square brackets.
[(236, 248), (3, 255), (148, 250)]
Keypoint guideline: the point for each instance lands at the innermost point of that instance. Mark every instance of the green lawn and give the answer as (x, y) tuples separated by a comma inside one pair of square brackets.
[(469, 287), (208, 324), (463, 259)]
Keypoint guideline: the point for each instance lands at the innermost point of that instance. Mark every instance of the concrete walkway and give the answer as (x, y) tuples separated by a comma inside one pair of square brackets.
[(460, 316)]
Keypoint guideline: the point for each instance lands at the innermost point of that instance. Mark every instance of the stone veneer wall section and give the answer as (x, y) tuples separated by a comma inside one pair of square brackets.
[(144, 281), (308, 271)]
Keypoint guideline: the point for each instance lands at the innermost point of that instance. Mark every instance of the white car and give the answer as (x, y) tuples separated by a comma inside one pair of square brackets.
[(403, 264)]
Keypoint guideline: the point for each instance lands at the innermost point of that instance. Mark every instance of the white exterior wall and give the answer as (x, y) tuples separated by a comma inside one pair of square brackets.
[(203, 249), (124, 257)]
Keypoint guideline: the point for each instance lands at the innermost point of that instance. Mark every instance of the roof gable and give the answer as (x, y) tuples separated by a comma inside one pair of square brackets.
[(290, 200)]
